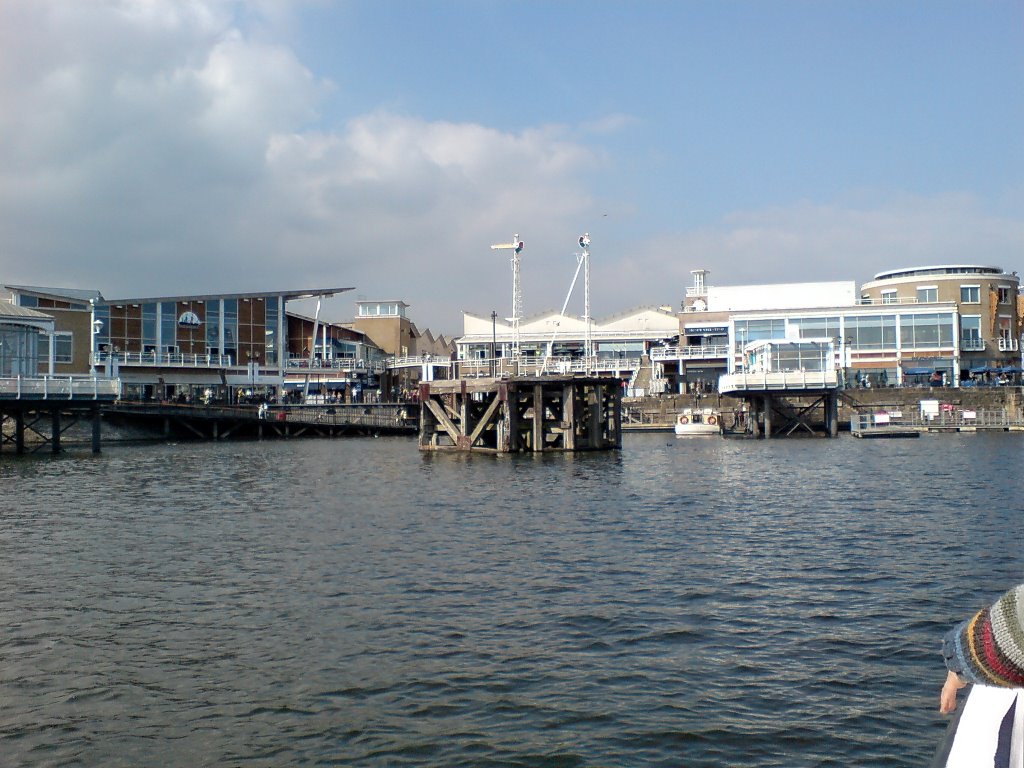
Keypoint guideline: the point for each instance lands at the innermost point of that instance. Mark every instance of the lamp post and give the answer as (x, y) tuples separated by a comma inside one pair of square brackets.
[(494, 340), (96, 325)]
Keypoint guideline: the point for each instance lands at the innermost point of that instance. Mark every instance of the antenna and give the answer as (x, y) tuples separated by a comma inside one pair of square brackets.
[(516, 246)]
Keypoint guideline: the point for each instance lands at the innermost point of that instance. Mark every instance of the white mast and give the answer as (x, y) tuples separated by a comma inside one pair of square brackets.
[(516, 247), (588, 344)]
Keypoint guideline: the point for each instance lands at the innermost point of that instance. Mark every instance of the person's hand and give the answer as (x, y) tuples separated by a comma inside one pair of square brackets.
[(947, 699)]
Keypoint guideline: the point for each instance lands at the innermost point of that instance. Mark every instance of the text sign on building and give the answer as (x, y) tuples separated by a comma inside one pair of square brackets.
[(715, 330)]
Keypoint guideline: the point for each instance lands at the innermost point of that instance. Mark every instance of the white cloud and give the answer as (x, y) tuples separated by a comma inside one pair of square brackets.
[(813, 241)]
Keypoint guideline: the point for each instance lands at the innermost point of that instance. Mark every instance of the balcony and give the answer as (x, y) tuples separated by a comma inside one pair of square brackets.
[(971, 344), (1008, 345)]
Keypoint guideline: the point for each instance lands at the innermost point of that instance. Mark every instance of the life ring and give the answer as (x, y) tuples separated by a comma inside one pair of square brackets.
[(712, 420), (684, 420)]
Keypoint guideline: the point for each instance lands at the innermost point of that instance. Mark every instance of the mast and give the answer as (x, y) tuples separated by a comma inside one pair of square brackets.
[(516, 246)]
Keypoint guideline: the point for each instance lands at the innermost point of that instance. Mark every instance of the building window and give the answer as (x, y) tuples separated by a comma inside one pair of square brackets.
[(1004, 294), (927, 330), (889, 297), (927, 293), (970, 333), (970, 294), (63, 351), (872, 331)]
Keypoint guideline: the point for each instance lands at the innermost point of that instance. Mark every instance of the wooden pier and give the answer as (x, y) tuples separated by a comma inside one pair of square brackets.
[(44, 408), (224, 422), (521, 415)]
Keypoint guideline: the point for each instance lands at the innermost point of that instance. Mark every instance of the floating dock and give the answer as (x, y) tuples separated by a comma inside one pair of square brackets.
[(521, 415)]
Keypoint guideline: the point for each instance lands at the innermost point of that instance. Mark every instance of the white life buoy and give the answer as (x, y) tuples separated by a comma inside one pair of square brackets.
[(684, 420), (712, 420)]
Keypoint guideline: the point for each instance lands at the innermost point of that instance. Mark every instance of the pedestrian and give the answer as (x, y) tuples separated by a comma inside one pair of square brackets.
[(987, 652)]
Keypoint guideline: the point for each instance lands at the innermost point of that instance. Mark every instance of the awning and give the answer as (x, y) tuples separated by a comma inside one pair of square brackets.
[(916, 371), (981, 369), (1010, 369)]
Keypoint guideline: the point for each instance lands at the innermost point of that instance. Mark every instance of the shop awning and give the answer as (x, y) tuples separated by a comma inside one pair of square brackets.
[(916, 371)]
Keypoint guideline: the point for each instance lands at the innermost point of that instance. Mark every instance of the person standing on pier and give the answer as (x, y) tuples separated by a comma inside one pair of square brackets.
[(987, 651)]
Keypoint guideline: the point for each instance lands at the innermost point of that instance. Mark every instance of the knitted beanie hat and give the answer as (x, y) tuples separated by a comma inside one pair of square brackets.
[(988, 648)]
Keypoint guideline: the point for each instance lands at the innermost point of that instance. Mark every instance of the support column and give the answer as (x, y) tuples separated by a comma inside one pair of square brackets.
[(96, 430), (538, 418), (767, 416), (595, 416), (569, 417), (55, 430), (19, 432), (832, 406)]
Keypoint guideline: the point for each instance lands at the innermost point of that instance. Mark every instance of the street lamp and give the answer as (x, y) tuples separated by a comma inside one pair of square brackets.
[(96, 326), (494, 339)]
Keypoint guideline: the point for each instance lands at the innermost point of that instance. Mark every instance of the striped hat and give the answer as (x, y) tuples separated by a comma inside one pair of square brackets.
[(988, 648)]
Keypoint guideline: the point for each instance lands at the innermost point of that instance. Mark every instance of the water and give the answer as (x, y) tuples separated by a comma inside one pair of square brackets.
[(695, 602)]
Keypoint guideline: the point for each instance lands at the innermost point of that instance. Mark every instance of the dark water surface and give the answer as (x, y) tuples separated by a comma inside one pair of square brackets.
[(353, 602)]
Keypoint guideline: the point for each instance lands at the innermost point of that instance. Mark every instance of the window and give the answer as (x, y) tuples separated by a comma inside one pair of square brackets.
[(816, 327), (871, 331), (970, 294), (970, 332), (62, 348), (926, 330), (1004, 294), (927, 293), (889, 296)]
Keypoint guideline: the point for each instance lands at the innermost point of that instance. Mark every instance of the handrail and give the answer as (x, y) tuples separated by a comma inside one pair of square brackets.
[(690, 352), (59, 388), (192, 360)]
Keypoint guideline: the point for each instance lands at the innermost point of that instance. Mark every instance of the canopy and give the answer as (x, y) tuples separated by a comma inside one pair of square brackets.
[(983, 369), (1010, 369), (916, 371)]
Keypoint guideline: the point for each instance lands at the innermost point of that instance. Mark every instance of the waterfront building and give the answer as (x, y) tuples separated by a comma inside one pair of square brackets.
[(556, 343), (70, 312), (989, 310), (331, 361), (25, 342), (708, 342)]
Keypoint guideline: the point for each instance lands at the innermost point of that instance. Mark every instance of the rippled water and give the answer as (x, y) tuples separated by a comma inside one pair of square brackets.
[(681, 603)]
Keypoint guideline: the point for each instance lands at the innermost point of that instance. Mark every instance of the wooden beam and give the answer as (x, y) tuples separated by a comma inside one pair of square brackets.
[(484, 420)]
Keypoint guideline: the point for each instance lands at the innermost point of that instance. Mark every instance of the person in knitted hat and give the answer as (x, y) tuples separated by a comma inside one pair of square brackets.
[(987, 651)]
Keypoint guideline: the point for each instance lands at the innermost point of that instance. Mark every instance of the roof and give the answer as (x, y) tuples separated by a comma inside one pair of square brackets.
[(73, 294), (311, 293), (9, 311)]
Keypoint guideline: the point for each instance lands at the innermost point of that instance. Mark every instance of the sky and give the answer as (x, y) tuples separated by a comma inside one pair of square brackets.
[(178, 147)]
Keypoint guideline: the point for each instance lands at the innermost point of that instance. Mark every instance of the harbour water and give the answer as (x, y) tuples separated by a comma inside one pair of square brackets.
[(683, 602)]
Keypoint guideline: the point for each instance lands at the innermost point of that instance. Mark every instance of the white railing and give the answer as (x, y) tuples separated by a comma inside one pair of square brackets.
[(972, 345), (537, 366), (780, 380), (690, 352), (1008, 345), (170, 359), (950, 418), (59, 388), (339, 364)]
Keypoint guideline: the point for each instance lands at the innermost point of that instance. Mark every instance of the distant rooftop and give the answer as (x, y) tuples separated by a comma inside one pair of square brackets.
[(946, 269), (71, 294)]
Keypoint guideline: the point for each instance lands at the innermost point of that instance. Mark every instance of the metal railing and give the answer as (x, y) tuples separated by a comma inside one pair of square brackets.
[(780, 380), (1008, 345), (339, 364), (176, 359), (690, 352), (946, 419), (59, 388), (972, 345), (531, 366)]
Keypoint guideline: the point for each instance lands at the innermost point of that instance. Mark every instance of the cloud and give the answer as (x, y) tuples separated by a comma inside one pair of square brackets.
[(811, 241), (184, 161)]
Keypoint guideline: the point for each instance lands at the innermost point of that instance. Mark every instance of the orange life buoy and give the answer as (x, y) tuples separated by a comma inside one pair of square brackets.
[(683, 420), (712, 420)]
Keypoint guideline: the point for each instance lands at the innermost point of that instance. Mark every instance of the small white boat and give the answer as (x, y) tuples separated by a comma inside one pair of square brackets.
[(698, 421)]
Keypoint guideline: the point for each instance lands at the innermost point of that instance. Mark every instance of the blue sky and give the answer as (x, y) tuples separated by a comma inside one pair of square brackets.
[(196, 146)]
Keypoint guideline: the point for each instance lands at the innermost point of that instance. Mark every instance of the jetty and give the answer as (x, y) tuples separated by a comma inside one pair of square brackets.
[(45, 407), (223, 422), (521, 414)]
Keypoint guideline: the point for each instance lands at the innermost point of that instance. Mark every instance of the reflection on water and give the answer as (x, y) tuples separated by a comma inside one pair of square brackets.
[(683, 602)]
